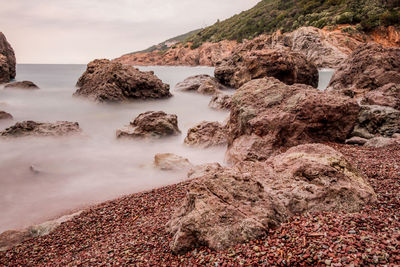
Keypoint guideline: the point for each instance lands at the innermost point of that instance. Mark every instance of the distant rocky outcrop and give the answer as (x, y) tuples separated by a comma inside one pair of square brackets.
[(5, 116), (7, 60), (227, 206), (204, 84), (207, 134), (21, 85), (107, 81), (32, 128), (151, 124), (288, 67)]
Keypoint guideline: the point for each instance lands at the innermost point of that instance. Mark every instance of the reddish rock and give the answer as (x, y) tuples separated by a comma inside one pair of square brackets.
[(378, 142), (203, 84), (5, 116), (151, 124), (107, 81), (268, 115), (387, 95), (7, 60), (171, 162), (207, 134), (221, 101), (21, 85), (32, 128), (227, 206)]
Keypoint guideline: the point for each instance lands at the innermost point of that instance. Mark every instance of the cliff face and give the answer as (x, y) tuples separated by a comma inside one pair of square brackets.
[(326, 48)]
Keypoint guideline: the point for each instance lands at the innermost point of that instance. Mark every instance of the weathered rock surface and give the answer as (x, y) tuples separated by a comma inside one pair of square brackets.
[(154, 124), (7, 60), (231, 205), (380, 141), (288, 67), (221, 101), (387, 95), (21, 85), (171, 162), (207, 134), (107, 81), (268, 115), (203, 84), (5, 116), (371, 68), (355, 140), (377, 120), (32, 128)]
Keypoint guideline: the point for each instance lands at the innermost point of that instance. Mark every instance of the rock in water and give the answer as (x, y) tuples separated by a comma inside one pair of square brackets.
[(203, 84), (268, 115), (288, 67), (21, 85), (151, 124), (370, 71), (7, 60), (32, 128), (221, 101), (227, 206), (5, 116), (107, 81), (207, 134), (171, 162)]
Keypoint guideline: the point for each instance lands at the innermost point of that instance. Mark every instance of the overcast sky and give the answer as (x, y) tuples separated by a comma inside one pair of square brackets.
[(77, 31)]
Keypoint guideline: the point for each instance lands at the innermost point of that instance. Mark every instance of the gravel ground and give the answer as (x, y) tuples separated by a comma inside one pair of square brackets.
[(130, 230)]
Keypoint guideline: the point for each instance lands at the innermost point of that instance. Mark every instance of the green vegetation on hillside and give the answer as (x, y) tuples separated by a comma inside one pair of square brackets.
[(287, 15)]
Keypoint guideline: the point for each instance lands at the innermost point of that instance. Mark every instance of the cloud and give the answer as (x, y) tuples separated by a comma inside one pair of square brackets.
[(77, 31)]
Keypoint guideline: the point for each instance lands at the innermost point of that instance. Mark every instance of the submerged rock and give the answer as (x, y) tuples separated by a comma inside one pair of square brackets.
[(7, 60), (32, 128), (5, 116), (21, 85), (170, 162), (151, 124), (221, 101), (288, 67), (207, 134), (203, 84), (107, 81), (227, 206)]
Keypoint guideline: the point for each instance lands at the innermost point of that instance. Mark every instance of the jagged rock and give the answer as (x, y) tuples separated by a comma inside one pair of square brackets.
[(203, 84), (7, 60), (268, 115), (227, 206), (221, 101), (288, 67), (355, 140), (380, 141), (377, 120), (151, 124), (21, 85), (32, 128), (169, 162), (387, 95), (107, 81), (369, 68), (207, 134), (5, 116), (202, 170)]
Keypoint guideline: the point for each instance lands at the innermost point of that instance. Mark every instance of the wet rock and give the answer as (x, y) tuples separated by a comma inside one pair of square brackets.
[(268, 115), (151, 124), (221, 101), (107, 81), (288, 67), (169, 162), (32, 128), (207, 134), (203, 84), (5, 116), (380, 141), (7, 60), (356, 141), (21, 85), (371, 68), (227, 206), (377, 120)]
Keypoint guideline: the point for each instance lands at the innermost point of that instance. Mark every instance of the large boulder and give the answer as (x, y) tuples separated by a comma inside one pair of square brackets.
[(32, 128), (288, 67), (5, 116), (107, 81), (207, 134), (21, 85), (268, 115), (203, 84), (370, 70), (227, 206), (7, 60), (151, 124)]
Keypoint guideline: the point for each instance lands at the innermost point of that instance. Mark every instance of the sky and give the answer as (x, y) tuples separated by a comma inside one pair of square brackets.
[(78, 31)]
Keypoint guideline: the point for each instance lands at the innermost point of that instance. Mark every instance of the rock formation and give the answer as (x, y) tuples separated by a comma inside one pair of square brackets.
[(171, 162), (221, 101), (107, 81), (288, 67), (207, 134), (203, 84), (32, 128), (268, 115), (5, 116), (231, 205), (21, 85), (7, 60), (151, 124)]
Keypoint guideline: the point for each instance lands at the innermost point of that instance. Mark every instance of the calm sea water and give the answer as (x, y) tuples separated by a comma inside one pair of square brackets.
[(78, 171)]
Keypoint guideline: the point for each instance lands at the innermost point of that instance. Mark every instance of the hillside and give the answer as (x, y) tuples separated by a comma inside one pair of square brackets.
[(287, 15)]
